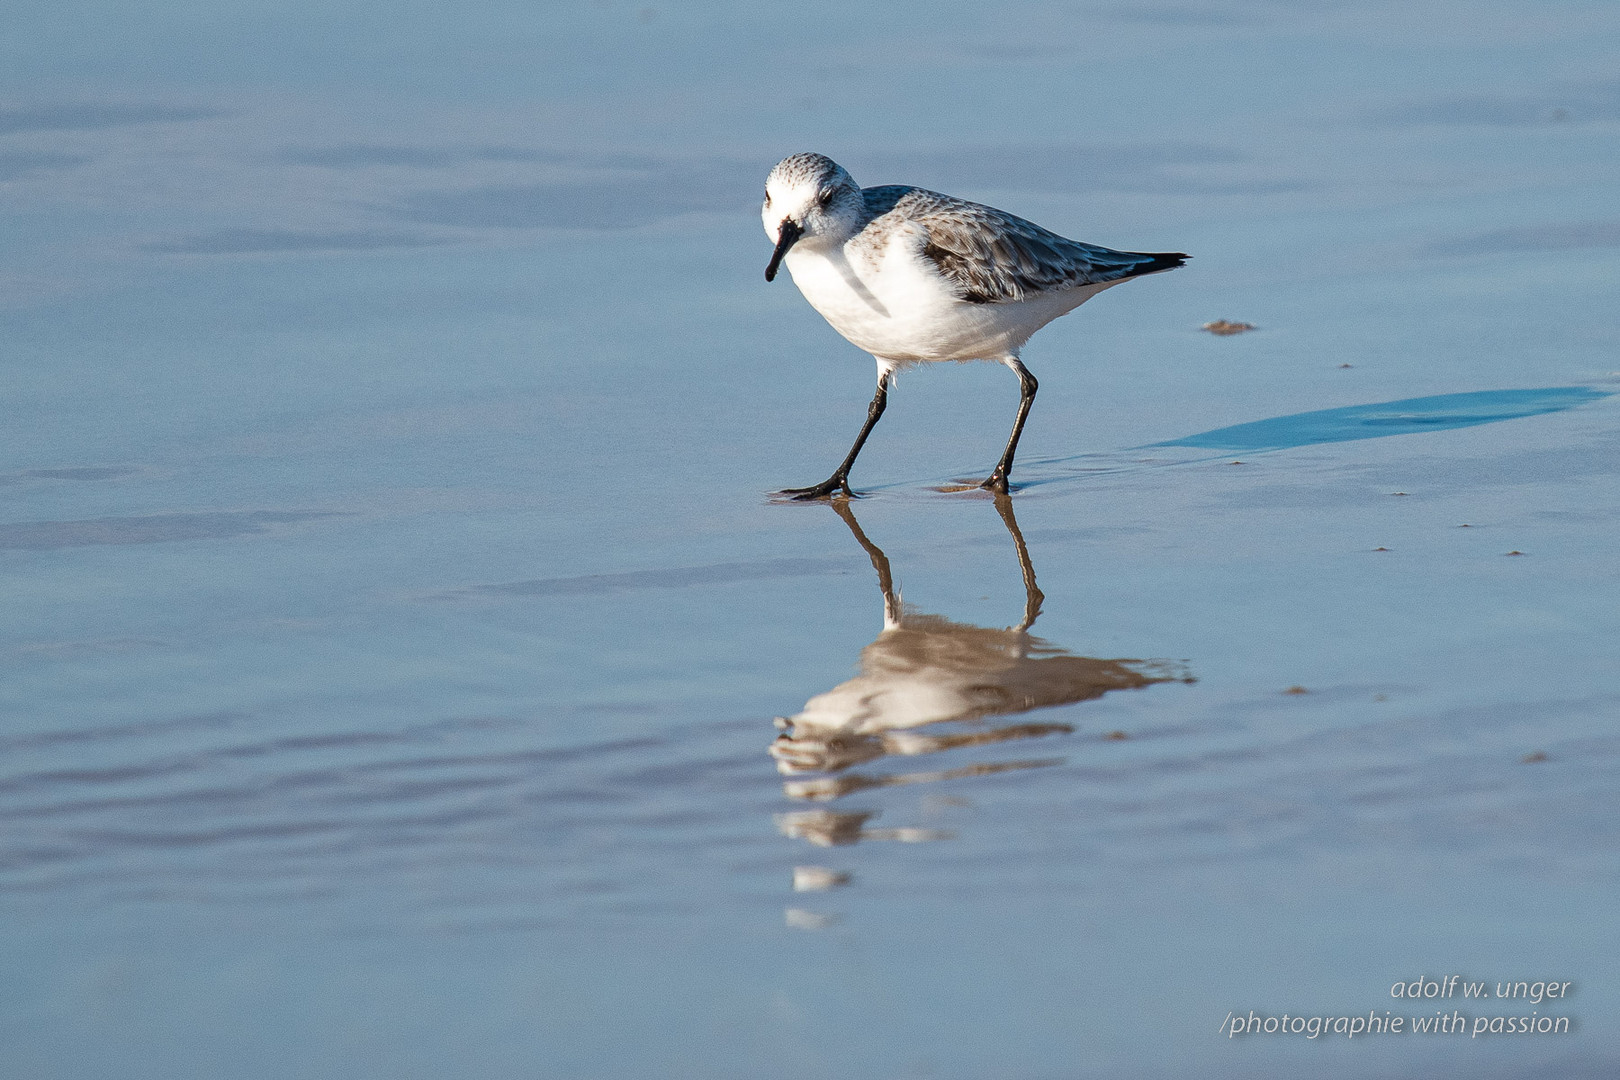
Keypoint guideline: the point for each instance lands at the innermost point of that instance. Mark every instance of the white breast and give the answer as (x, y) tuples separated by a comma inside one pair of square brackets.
[(895, 304)]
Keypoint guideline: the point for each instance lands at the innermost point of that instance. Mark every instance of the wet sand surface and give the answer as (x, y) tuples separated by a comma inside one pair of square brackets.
[(396, 612)]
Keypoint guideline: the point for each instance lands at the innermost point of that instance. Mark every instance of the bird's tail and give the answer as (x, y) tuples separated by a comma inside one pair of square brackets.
[(1154, 262)]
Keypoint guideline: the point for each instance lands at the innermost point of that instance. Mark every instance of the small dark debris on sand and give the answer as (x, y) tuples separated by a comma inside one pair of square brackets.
[(1515, 552), (1225, 328), (1296, 690), (1533, 757), (1115, 736)]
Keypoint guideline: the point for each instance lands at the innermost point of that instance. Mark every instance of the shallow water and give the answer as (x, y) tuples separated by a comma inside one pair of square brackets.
[(396, 612)]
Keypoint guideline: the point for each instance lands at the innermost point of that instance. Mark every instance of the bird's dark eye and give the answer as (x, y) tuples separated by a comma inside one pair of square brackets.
[(823, 198), (767, 196)]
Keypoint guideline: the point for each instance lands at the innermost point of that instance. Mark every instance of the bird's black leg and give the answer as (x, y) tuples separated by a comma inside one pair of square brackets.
[(1026, 397), (839, 481)]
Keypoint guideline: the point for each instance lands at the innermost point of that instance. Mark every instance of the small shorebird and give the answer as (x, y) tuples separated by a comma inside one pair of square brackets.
[(913, 276)]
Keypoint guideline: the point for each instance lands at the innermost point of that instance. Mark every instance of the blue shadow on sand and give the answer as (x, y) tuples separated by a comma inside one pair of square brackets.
[(1404, 417)]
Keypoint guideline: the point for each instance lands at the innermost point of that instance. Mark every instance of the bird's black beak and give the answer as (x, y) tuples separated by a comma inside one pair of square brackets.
[(789, 235)]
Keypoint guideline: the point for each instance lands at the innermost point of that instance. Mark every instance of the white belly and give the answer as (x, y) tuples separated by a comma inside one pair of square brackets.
[(901, 310)]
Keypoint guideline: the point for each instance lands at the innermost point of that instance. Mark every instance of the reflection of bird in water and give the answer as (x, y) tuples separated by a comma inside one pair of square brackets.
[(924, 670)]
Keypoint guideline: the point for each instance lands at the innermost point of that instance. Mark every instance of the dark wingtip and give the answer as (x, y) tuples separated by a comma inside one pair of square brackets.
[(1153, 262)]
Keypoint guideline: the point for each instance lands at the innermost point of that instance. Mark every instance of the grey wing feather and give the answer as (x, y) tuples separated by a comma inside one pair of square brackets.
[(993, 257)]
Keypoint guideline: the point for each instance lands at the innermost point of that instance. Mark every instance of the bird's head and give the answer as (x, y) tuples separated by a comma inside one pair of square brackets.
[(809, 199)]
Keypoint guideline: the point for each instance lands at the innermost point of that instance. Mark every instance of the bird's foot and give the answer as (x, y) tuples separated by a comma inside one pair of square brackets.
[(997, 483), (823, 490)]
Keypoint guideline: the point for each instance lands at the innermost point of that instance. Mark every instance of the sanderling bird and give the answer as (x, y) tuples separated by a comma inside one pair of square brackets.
[(913, 276)]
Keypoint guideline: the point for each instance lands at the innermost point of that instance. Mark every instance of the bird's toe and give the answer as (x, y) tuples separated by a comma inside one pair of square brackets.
[(829, 487)]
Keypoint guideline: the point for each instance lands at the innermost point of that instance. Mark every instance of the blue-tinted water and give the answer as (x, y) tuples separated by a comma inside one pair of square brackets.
[(395, 612)]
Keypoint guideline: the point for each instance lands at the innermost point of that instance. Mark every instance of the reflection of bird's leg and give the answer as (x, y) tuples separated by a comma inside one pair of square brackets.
[(880, 563), (800, 751), (1032, 593)]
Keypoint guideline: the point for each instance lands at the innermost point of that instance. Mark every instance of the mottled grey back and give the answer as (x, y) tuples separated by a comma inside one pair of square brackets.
[(993, 257)]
